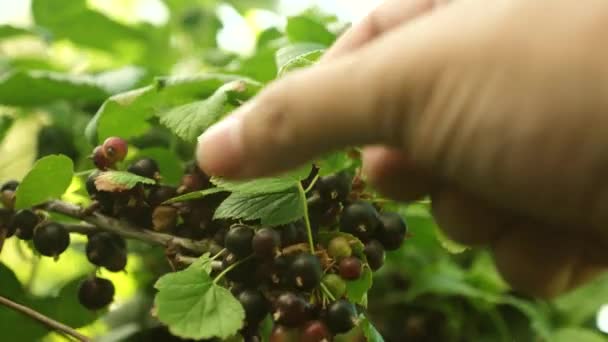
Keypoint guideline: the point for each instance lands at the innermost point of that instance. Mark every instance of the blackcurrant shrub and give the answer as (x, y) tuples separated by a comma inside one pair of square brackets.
[(291, 310), (145, 167), (255, 304), (392, 231), (292, 233), (238, 240), (96, 293), (335, 284), (23, 224), (315, 331), (107, 250), (350, 268), (360, 219), (115, 149), (341, 316), (374, 251), (164, 218), (334, 187), (51, 239), (160, 194), (266, 243), (306, 271), (6, 216), (243, 273), (339, 248)]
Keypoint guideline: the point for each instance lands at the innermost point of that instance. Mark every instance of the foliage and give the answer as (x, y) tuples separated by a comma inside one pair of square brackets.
[(159, 87)]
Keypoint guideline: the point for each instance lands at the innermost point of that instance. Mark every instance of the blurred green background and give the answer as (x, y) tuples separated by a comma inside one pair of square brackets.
[(432, 289)]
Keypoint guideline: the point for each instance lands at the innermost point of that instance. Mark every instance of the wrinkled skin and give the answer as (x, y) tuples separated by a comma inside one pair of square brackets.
[(497, 109)]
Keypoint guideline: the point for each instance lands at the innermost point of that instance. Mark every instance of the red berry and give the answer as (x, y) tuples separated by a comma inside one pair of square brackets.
[(315, 331), (100, 160), (115, 149), (284, 334), (350, 268)]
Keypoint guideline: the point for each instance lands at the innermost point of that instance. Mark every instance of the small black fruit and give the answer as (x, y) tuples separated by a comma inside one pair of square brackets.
[(360, 219), (238, 240), (99, 159), (96, 293), (334, 187), (5, 222), (266, 243), (243, 273), (255, 304), (160, 194), (51, 239), (306, 271), (341, 316), (107, 250), (11, 185), (23, 223), (291, 310), (145, 167), (350, 268), (374, 251), (315, 331), (392, 231)]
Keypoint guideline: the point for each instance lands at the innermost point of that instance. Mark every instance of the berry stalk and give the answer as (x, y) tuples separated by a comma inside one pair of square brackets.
[(306, 218)]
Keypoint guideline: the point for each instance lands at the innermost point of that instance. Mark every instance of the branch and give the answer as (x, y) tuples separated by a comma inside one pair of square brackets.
[(97, 221), (49, 322)]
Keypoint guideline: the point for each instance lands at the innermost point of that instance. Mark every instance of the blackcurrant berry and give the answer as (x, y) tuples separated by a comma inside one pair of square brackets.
[(360, 219), (107, 250), (291, 310), (392, 231), (350, 268), (164, 218), (255, 304), (284, 334), (306, 271), (238, 240), (341, 316), (23, 223), (100, 160), (292, 233), (6, 216), (315, 331), (335, 285), (374, 251), (145, 167), (96, 293), (160, 194), (51, 239), (90, 184), (11, 185), (266, 243), (334, 187), (115, 149), (339, 248), (243, 273)]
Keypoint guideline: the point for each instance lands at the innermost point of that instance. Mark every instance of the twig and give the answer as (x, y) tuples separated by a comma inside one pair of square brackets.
[(49, 322), (97, 221)]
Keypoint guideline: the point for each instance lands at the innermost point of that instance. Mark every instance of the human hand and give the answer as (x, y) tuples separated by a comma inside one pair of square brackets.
[(497, 109)]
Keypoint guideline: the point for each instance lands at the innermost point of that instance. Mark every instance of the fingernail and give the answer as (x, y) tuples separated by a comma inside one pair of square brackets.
[(219, 149)]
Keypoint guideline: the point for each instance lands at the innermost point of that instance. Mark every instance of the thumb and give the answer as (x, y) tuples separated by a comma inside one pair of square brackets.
[(357, 99)]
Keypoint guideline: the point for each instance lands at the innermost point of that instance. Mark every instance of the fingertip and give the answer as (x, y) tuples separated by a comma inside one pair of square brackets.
[(219, 150)]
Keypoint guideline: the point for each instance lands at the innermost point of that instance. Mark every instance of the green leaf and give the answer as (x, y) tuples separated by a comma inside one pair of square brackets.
[(305, 29), (264, 185), (449, 244), (169, 163), (188, 121), (335, 162), (6, 122), (36, 87), (115, 181), (272, 209), (194, 195), (193, 306), (48, 179), (578, 335), (369, 331), (583, 303), (7, 31), (356, 290), (298, 56), (127, 114)]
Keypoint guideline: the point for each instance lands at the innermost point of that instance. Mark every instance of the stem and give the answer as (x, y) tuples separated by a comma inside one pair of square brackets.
[(312, 183), (49, 322), (230, 268), (219, 254), (327, 292), (306, 218), (96, 222), (83, 173)]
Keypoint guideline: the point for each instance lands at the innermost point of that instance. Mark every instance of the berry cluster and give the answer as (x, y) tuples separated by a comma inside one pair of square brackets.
[(270, 270)]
